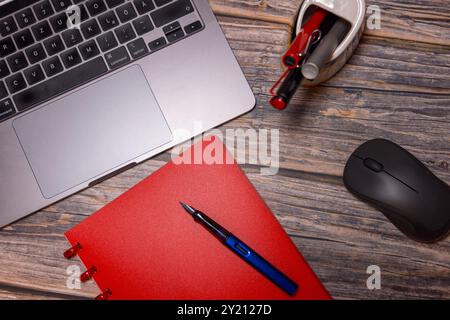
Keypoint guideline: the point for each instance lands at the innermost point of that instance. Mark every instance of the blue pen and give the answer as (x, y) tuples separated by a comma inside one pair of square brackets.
[(243, 251)]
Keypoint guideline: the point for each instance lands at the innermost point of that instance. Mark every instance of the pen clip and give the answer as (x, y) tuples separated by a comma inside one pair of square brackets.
[(293, 57), (315, 37), (302, 42)]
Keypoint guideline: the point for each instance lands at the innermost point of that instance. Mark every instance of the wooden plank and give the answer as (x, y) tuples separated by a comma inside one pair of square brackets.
[(31, 256), (393, 65), (424, 21), (271, 11), (14, 293)]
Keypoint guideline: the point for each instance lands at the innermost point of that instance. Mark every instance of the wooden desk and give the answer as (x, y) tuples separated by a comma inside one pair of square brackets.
[(396, 86)]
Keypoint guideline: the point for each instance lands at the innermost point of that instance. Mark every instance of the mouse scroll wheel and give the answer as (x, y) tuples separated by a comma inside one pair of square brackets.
[(373, 165)]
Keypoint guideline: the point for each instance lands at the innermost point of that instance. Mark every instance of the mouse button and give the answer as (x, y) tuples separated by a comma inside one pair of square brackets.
[(395, 194), (399, 163), (356, 176), (373, 165), (366, 183)]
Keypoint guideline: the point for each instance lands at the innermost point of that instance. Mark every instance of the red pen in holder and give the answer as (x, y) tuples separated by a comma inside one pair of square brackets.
[(293, 59), (296, 52)]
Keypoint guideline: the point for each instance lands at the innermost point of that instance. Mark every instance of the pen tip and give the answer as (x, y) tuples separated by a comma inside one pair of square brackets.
[(188, 208)]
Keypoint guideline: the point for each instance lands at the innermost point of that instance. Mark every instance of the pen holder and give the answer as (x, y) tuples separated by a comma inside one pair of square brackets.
[(353, 12)]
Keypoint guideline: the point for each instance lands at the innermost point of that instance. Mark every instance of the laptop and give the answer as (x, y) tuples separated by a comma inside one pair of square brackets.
[(91, 88)]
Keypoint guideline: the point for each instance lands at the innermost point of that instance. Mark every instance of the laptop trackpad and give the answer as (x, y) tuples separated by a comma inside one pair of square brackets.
[(92, 131)]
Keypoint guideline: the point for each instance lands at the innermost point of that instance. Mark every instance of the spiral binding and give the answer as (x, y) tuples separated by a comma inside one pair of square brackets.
[(72, 252), (89, 273), (104, 295)]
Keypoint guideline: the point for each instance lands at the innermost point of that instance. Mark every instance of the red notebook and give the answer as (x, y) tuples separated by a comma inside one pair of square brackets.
[(144, 245)]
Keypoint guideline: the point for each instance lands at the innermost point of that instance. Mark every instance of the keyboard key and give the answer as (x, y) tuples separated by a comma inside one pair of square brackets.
[(7, 26), (126, 12), (71, 58), (59, 22), (171, 27), (17, 62), (25, 18), (160, 3), (125, 33), (42, 30), (175, 35), (15, 83), (89, 50), (6, 47), (144, 6), (43, 10), (114, 3), (23, 39), (137, 48), (108, 20), (117, 58), (61, 5), (72, 37), (52, 66), (90, 28), (157, 44), (36, 53), (3, 91), (6, 109), (61, 83), (171, 12), (143, 25), (54, 45), (96, 7), (34, 74), (191, 28), (107, 41), (4, 70)]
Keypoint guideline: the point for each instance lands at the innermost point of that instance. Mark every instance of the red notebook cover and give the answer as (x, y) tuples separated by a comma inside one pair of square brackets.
[(144, 245)]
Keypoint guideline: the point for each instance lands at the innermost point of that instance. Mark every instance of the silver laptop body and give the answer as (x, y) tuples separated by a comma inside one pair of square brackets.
[(130, 105)]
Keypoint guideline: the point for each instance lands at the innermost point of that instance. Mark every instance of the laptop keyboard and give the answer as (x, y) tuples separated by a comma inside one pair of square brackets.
[(41, 58)]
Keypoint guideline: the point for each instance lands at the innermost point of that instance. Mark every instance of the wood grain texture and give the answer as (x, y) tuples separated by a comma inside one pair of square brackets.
[(424, 21), (391, 88)]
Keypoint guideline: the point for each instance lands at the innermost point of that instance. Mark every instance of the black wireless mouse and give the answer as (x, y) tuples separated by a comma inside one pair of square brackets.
[(399, 185)]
